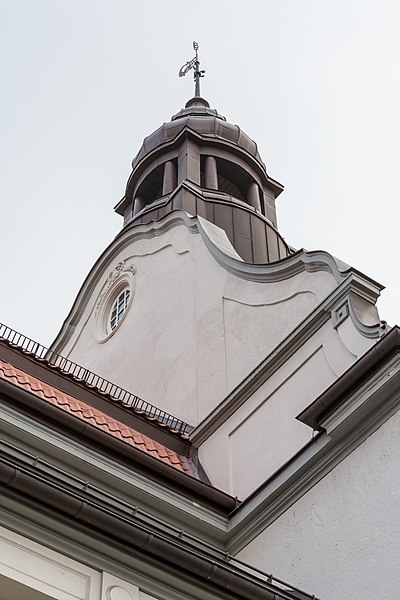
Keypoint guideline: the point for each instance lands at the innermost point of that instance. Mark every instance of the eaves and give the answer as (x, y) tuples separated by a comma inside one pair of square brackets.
[(91, 436), (92, 514), (57, 452)]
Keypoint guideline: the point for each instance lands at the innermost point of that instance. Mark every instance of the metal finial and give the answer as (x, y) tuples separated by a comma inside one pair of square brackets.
[(195, 65)]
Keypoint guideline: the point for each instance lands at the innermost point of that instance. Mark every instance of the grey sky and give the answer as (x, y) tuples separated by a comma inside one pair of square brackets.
[(316, 83)]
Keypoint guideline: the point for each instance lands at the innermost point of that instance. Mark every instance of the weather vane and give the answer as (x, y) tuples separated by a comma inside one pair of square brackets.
[(195, 65)]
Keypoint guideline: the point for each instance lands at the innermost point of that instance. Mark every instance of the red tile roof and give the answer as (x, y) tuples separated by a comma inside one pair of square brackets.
[(94, 382), (96, 418)]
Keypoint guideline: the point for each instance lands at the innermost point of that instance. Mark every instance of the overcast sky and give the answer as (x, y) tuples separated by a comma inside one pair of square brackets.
[(316, 83)]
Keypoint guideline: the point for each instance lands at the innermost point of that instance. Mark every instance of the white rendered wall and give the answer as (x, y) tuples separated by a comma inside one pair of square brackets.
[(342, 538), (35, 567), (193, 330), (30, 571), (264, 433)]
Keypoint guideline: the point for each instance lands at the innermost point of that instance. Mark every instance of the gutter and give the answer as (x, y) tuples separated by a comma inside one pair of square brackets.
[(381, 352), (212, 497), (80, 508)]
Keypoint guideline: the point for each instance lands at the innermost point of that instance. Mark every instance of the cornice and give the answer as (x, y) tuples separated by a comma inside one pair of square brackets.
[(115, 476), (206, 142), (30, 520), (298, 262), (362, 413), (327, 309), (262, 273), (373, 403), (327, 402), (115, 448), (124, 239), (73, 502)]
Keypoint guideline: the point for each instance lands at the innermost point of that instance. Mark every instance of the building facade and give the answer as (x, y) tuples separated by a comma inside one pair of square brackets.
[(218, 414)]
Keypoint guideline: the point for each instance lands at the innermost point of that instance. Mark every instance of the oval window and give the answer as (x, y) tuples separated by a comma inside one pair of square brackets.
[(114, 300), (118, 309)]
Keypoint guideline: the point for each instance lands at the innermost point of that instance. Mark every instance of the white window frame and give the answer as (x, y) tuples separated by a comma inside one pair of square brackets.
[(116, 297), (118, 309)]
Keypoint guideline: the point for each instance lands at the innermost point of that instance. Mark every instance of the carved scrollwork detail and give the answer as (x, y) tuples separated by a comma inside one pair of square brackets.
[(120, 268)]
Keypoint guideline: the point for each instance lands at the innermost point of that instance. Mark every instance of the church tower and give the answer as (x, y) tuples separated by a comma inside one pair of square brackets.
[(199, 285), (205, 166), (216, 403)]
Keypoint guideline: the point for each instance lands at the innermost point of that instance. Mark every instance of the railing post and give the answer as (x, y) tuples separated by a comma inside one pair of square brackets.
[(92, 379)]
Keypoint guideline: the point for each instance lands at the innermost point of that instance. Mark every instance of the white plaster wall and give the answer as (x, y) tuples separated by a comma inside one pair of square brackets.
[(264, 433), (30, 571), (193, 330), (342, 538), (34, 567)]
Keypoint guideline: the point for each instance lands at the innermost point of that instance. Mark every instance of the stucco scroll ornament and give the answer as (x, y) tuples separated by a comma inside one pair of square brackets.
[(121, 268)]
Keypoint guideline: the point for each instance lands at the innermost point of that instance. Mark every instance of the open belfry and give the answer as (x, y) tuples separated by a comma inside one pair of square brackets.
[(218, 417)]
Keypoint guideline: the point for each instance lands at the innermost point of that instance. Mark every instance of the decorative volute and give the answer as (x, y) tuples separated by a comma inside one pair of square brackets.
[(200, 163)]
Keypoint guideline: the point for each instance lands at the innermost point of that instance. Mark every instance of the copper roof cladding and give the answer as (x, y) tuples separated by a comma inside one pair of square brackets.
[(95, 418), (230, 186), (199, 117)]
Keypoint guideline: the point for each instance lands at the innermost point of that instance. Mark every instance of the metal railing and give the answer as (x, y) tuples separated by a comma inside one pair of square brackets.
[(94, 381)]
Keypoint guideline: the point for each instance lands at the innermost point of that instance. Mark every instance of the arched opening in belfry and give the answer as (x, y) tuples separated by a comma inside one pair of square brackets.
[(230, 178), (151, 187), (158, 183)]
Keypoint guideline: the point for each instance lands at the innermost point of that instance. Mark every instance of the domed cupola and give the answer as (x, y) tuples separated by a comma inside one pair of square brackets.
[(200, 163)]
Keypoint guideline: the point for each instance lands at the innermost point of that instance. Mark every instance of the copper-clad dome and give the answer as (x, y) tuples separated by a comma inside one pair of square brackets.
[(205, 166), (199, 117)]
